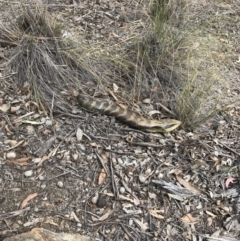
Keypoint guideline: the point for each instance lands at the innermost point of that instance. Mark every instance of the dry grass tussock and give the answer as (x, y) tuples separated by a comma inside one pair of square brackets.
[(184, 59), (41, 58), (173, 60)]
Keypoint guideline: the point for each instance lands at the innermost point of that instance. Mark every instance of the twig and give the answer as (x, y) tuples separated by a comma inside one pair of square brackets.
[(147, 144), (62, 174), (13, 214), (6, 76), (103, 164), (138, 131), (52, 104), (230, 149), (217, 238), (113, 95), (18, 144), (65, 137), (8, 121), (62, 113), (66, 172), (138, 231), (119, 152), (127, 232), (130, 214), (114, 183), (45, 146), (105, 237), (21, 117), (166, 109)]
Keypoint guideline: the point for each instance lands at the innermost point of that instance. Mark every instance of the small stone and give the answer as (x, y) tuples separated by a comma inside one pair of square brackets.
[(79, 225), (122, 190), (148, 171), (160, 175), (142, 178), (11, 155), (88, 179), (130, 222), (58, 129), (60, 184), (95, 199), (48, 122), (30, 129), (43, 120), (43, 186), (36, 160), (41, 178), (81, 147), (138, 150), (75, 156), (120, 161), (114, 161), (28, 173), (10, 142), (130, 173), (147, 101), (79, 134)]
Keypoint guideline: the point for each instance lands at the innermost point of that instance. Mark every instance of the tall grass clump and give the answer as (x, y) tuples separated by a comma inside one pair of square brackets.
[(181, 59), (41, 58)]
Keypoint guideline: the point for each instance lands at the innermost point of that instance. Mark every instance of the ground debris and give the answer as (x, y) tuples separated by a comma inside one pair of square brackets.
[(92, 175), (40, 234)]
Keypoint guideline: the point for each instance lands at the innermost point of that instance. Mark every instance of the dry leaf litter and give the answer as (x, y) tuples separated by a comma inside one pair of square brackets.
[(95, 176)]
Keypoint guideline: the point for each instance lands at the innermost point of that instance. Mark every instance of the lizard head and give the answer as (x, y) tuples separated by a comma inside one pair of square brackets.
[(163, 125)]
